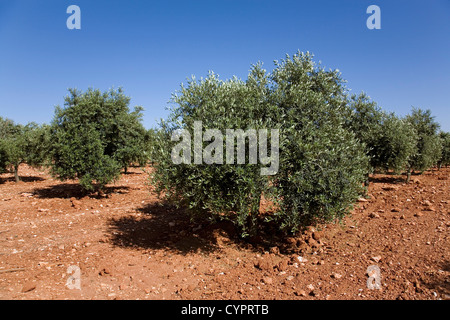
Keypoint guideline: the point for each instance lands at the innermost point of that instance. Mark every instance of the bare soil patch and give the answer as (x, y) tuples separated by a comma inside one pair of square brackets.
[(128, 245)]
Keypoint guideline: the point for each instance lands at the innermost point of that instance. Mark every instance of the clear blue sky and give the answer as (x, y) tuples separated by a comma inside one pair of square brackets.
[(150, 47)]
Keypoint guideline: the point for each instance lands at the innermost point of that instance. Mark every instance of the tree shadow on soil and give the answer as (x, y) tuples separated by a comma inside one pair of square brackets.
[(162, 226), (387, 179), (131, 173), (74, 190), (439, 281), (22, 179)]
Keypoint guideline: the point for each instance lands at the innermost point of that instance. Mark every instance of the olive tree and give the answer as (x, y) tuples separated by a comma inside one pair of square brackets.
[(320, 164), (428, 144), (445, 155), (214, 190), (94, 136), (7, 129), (395, 144), (21, 144), (389, 141)]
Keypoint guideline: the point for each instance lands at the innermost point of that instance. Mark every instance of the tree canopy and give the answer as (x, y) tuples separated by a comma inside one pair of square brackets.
[(94, 136), (321, 164)]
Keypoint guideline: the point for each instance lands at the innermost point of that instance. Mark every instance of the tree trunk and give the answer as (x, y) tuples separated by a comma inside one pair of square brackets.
[(408, 175), (253, 223), (16, 173)]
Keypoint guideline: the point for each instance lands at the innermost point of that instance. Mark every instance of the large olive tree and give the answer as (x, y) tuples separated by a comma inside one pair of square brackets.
[(317, 165)]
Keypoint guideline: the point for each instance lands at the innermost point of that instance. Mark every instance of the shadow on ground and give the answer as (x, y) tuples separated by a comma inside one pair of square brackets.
[(439, 281), (162, 226), (394, 179), (69, 190), (22, 179)]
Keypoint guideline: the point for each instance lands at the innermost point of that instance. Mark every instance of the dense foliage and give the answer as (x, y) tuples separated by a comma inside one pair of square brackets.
[(321, 164), (294, 137), (445, 155), (20, 144), (95, 136), (389, 141), (428, 144)]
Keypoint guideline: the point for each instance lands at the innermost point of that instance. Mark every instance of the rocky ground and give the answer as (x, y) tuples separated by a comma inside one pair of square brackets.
[(128, 245)]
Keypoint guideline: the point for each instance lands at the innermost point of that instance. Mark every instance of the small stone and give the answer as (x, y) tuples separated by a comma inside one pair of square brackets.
[(300, 293), (313, 293), (122, 286), (264, 264), (26, 194), (317, 235), (274, 250), (313, 243), (282, 265), (267, 280), (104, 271), (418, 214), (336, 276), (427, 203), (395, 210), (76, 204), (291, 241), (362, 200), (376, 259), (29, 286), (374, 215)]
